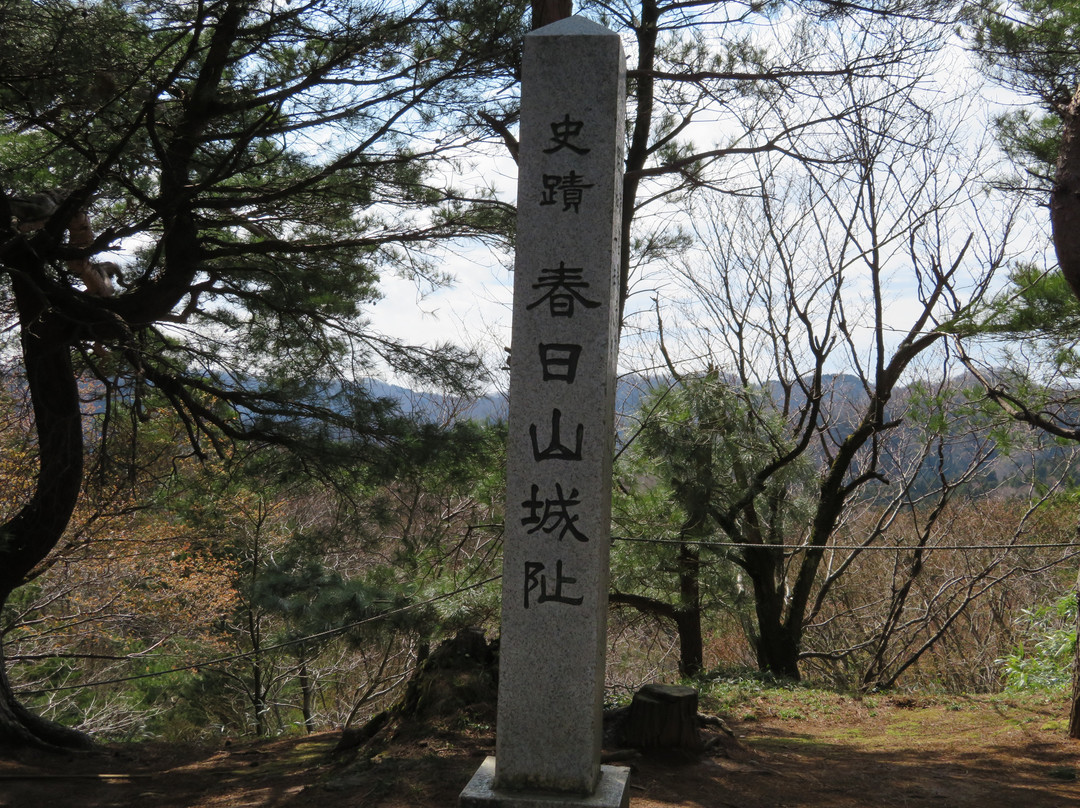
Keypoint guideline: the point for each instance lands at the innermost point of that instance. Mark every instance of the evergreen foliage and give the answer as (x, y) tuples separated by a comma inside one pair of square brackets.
[(1031, 47), (198, 202), (692, 483)]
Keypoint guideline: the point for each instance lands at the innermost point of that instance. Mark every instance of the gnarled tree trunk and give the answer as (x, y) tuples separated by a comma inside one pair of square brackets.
[(28, 536)]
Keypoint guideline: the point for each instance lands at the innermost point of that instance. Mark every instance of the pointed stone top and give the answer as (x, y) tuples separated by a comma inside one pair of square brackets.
[(573, 26)]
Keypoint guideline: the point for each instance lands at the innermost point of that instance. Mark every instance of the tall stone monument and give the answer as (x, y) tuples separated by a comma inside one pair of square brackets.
[(562, 400)]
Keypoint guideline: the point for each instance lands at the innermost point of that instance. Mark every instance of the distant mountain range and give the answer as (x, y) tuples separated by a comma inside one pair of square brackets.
[(845, 399), (492, 407)]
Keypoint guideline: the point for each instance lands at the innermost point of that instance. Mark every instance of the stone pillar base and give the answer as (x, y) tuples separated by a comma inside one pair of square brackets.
[(612, 792)]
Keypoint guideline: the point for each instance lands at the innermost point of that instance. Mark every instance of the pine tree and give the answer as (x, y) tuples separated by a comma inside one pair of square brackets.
[(1032, 47), (198, 202)]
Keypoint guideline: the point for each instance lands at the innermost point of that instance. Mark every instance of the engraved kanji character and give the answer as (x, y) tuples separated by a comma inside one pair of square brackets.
[(534, 579), (571, 187), (559, 360), (562, 131), (555, 450), (562, 284), (549, 515)]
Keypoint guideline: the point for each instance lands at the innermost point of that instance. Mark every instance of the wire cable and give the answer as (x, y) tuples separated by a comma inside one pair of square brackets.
[(640, 540), (716, 545), (233, 657)]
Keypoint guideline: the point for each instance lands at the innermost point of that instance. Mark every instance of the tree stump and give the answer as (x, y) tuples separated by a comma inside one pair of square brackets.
[(458, 678), (663, 717)]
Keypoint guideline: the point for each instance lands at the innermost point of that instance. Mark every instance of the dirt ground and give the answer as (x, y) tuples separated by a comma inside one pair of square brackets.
[(837, 752)]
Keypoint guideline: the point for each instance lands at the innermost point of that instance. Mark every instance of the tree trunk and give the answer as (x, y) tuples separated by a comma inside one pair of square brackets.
[(663, 717), (1065, 197), (545, 12), (687, 625), (688, 613), (778, 651), (1065, 221), (777, 643), (638, 148), (20, 728), (1074, 713), (307, 697), (691, 646), (30, 535), (258, 696)]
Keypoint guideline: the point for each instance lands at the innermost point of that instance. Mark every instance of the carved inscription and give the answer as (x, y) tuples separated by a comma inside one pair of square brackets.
[(559, 361), (563, 285), (535, 577), (554, 513), (563, 132), (562, 294), (568, 189)]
